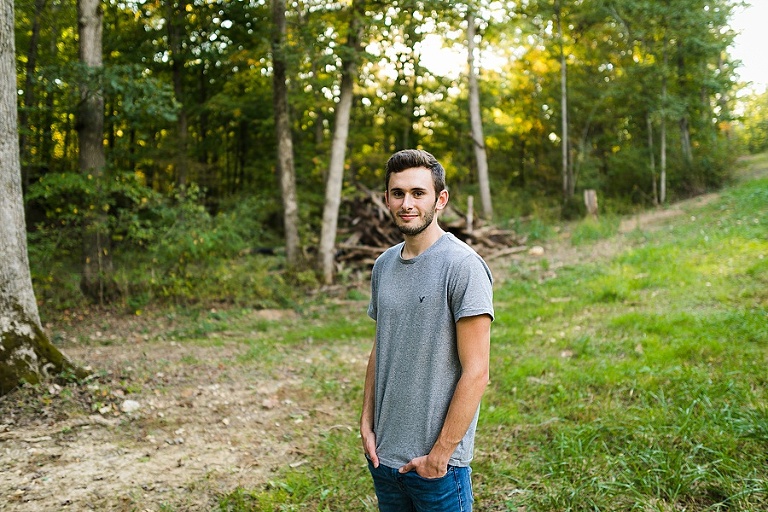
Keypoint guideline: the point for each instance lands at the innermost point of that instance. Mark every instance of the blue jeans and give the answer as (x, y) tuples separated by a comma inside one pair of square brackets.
[(411, 493)]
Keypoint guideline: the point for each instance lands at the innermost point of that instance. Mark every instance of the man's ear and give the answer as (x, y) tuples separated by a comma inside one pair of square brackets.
[(442, 200), (386, 198)]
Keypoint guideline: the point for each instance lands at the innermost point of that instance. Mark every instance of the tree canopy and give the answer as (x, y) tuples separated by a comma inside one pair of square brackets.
[(189, 112)]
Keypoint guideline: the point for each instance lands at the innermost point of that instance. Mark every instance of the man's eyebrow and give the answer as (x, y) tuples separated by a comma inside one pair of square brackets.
[(414, 189)]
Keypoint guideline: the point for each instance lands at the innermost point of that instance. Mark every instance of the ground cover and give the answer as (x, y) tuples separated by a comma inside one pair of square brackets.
[(628, 373)]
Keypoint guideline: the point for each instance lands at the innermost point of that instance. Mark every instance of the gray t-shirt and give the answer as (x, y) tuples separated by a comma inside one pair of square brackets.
[(416, 304)]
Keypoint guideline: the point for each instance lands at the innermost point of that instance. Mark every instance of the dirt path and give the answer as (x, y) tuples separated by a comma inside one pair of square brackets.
[(560, 251), (201, 427)]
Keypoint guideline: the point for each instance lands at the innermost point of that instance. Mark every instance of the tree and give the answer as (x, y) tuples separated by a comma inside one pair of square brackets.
[(29, 99), (569, 184), (478, 138), (176, 15), (26, 353), (326, 252), (284, 137), (96, 282)]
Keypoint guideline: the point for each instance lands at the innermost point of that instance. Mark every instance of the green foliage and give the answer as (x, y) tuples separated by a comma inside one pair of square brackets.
[(190, 255), (753, 129), (206, 107), (164, 250)]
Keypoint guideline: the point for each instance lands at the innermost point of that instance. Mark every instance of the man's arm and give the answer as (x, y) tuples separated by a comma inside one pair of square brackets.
[(473, 340), (366, 418)]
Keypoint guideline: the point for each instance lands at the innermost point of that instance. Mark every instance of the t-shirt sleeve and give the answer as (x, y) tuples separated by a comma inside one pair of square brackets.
[(471, 291)]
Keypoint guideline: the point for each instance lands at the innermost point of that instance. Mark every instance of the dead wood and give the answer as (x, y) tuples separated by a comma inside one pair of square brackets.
[(367, 231)]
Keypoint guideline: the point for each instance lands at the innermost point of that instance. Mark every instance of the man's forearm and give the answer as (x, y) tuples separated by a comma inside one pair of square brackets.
[(473, 341), (466, 399), (366, 417)]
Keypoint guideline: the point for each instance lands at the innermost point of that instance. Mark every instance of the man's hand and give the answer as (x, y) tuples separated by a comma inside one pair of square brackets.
[(426, 467), (369, 445)]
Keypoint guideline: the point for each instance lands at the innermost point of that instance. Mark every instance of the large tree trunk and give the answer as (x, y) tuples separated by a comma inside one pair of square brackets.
[(26, 354), (476, 121), (284, 137), (333, 186), (96, 283)]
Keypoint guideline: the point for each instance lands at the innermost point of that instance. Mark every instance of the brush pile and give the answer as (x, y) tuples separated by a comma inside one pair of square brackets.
[(366, 230)]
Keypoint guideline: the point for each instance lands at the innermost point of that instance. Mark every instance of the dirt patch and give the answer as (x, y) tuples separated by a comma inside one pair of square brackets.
[(162, 423), (560, 252), (653, 219)]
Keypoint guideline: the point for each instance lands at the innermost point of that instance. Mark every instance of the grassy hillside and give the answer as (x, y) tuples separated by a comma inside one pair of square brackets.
[(633, 378)]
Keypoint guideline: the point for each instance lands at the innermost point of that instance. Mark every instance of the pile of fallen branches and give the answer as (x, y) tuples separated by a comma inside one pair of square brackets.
[(366, 230)]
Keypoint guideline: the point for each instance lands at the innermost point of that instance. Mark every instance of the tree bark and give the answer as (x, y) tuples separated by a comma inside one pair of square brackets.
[(176, 16), (568, 185), (285, 162), (29, 99), (26, 354), (476, 121), (685, 130), (663, 133), (96, 282), (335, 180), (652, 159)]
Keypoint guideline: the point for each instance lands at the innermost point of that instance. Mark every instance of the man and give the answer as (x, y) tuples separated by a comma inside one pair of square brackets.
[(432, 300)]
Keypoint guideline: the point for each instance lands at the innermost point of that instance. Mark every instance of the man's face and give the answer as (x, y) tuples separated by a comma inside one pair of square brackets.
[(412, 200)]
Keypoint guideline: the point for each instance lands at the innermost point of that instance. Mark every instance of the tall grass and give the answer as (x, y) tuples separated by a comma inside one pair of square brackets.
[(633, 383)]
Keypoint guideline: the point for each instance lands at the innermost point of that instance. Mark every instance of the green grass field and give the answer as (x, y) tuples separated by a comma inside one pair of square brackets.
[(632, 381)]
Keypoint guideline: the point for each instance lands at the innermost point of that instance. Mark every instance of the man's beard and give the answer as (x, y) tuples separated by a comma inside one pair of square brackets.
[(412, 230)]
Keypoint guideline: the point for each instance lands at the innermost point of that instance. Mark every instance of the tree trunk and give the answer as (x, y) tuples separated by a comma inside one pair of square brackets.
[(652, 159), (568, 185), (285, 163), (333, 186), (96, 282), (176, 16), (46, 132), (685, 131), (685, 140), (26, 354), (663, 133), (29, 98), (478, 138)]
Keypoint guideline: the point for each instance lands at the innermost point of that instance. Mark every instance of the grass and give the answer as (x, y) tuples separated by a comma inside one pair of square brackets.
[(636, 382)]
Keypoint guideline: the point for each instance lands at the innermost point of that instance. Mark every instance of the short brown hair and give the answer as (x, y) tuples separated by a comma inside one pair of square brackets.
[(411, 158)]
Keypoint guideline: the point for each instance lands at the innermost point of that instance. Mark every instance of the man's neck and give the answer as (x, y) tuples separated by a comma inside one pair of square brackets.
[(416, 245)]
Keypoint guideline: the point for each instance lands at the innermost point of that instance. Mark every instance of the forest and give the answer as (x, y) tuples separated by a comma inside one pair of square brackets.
[(190, 201), (158, 139)]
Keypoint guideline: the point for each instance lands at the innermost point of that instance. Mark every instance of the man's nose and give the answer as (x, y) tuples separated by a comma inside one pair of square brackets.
[(407, 201)]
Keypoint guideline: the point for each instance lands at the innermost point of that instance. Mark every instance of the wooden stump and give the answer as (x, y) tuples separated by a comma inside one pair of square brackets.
[(590, 200)]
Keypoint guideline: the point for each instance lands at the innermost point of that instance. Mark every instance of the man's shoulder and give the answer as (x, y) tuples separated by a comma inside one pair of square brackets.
[(458, 248)]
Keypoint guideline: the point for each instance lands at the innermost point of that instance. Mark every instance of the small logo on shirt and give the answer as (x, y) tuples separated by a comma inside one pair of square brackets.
[(421, 299)]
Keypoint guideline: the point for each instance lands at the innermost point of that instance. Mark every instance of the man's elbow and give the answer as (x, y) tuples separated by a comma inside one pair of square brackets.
[(485, 379), (480, 378)]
